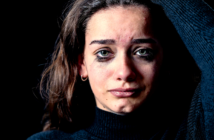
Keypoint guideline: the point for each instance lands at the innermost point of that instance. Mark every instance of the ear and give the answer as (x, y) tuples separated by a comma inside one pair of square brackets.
[(81, 66)]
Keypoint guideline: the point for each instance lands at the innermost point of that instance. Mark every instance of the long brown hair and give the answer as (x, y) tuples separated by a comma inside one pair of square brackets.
[(69, 100)]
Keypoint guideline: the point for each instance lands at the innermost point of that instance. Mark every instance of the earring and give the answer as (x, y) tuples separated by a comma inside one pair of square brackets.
[(83, 79)]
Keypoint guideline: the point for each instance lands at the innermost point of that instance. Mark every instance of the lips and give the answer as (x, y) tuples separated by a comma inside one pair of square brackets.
[(123, 92)]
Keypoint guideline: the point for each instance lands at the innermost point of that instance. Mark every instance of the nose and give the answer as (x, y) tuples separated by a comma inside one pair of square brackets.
[(124, 70)]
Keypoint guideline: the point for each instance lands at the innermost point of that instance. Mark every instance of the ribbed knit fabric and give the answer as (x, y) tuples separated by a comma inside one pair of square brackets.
[(133, 126), (109, 126), (194, 22)]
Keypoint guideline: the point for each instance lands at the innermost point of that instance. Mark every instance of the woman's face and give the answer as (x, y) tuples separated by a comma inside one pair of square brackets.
[(121, 58)]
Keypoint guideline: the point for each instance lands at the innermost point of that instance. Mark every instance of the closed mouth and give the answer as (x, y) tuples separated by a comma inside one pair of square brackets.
[(124, 92)]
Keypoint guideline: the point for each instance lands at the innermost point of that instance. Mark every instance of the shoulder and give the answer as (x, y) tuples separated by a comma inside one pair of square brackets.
[(60, 135), (51, 134)]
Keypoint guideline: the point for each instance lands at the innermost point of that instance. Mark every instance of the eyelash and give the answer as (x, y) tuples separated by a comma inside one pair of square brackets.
[(101, 58), (149, 56)]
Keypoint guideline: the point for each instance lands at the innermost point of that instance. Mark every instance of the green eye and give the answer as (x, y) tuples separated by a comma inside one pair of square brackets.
[(142, 52), (103, 53), (147, 54)]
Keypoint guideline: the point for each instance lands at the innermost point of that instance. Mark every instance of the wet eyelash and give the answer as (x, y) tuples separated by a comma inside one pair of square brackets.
[(102, 59), (149, 56)]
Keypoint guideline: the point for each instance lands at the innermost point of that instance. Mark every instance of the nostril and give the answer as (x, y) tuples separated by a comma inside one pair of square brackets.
[(131, 77), (119, 79)]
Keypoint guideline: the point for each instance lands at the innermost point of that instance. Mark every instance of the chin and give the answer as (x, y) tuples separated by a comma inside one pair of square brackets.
[(125, 109)]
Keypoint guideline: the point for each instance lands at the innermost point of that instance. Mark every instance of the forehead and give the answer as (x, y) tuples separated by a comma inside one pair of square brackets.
[(123, 10), (118, 18)]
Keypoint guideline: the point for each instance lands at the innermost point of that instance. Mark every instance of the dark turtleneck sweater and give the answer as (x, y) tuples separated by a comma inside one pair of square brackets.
[(133, 126), (194, 22), (109, 126)]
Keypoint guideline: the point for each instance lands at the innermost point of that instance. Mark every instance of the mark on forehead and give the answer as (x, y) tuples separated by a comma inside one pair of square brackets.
[(124, 38)]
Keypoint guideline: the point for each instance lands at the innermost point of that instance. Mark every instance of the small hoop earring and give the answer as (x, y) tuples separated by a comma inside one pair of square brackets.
[(83, 79)]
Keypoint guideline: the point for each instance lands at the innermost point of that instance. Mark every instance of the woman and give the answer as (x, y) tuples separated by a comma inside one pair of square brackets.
[(125, 58)]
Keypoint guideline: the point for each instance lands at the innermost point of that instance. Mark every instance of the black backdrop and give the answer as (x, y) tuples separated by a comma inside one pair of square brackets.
[(31, 30)]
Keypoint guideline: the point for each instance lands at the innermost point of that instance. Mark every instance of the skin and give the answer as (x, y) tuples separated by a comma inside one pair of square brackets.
[(131, 57)]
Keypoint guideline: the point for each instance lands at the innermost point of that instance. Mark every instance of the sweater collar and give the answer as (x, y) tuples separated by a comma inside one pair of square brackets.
[(107, 125)]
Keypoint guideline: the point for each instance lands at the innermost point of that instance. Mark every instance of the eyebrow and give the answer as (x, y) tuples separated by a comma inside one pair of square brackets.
[(134, 41), (106, 41)]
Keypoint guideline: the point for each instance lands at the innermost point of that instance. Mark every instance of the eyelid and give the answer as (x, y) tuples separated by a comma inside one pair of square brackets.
[(141, 48), (103, 49)]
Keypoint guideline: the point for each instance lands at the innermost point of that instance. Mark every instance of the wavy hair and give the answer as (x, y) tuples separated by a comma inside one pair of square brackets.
[(70, 102)]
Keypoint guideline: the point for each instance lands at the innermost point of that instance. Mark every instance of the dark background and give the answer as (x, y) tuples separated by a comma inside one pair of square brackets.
[(30, 33), (30, 30)]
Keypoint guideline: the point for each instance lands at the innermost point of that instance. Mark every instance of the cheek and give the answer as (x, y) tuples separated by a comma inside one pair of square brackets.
[(98, 75), (153, 69), (149, 73)]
